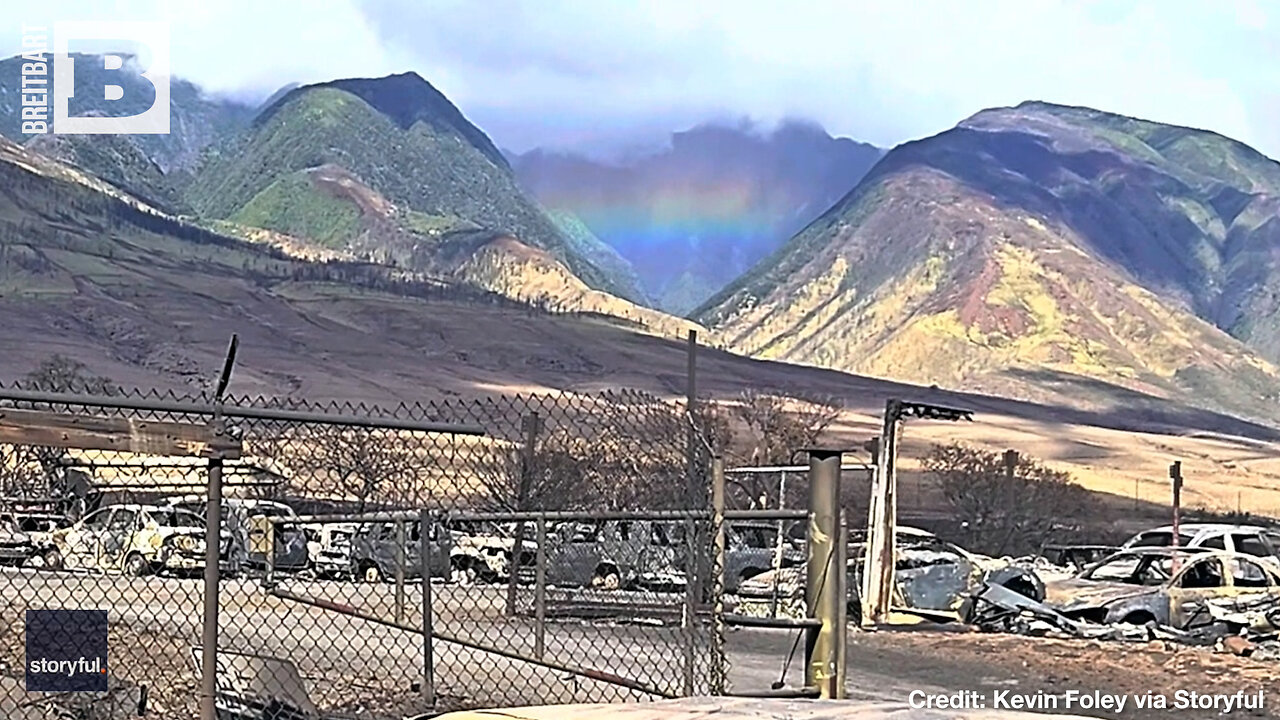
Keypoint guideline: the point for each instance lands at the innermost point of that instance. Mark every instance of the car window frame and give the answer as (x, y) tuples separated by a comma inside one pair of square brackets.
[(1255, 536), (104, 512), (1220, 538), (1248, 560), (1177, 580)]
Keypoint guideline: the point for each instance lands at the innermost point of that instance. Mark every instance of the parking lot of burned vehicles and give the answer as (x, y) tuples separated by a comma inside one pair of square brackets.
[(1206, 582), (166, 536)]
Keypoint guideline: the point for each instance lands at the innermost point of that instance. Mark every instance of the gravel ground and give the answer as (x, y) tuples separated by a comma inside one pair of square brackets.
[(355, 666)]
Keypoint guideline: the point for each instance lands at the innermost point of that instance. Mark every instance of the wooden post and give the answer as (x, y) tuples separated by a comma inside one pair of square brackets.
[(694, 497), (1175, 474), (528, 456), (882, 521), (718, 663)]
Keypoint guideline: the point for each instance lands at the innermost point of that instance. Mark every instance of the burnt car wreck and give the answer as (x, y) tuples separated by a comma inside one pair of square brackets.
[(1188, 596), (934, 579)]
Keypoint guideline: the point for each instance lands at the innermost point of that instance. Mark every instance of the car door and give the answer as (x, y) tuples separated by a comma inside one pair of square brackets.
[(116, 540), (1200, 581), (1255, 586), (413, 550), (577, 553), (82, 539)]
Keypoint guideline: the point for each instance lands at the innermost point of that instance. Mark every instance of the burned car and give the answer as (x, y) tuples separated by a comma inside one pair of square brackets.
[(752, 549), (329, 549), (16, 546), (617, 554), (253, 533), (653, 554), (134, 539), (931, 576), (375, 556), (1261, 542), (481, 551), (1174, 587)]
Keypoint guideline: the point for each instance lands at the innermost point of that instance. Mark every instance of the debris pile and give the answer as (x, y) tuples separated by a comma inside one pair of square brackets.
[(1251, 633)]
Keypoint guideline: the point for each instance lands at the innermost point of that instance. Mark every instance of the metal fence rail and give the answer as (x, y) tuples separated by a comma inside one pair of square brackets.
[(507, 550)]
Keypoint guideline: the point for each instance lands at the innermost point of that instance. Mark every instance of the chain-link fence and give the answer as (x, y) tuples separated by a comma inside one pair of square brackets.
[(373, 561)]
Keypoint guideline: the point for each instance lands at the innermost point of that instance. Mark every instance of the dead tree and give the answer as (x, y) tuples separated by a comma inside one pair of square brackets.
[(359, 463), (1006, 508), (777, 425)]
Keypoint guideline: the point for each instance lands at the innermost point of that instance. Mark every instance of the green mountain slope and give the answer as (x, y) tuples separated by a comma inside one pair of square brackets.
[(1035, 251), (398, 137)]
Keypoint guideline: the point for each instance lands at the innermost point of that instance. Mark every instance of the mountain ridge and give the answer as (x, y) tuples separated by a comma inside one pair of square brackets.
[(1005, 245), (421, 155)]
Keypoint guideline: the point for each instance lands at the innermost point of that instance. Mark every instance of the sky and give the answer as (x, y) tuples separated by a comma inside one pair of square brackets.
[(605, 77)]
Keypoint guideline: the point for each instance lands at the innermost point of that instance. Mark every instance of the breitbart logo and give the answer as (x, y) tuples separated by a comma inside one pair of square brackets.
[(107, 82)]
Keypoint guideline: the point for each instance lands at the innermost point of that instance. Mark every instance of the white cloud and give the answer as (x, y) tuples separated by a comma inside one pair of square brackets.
[(565, 72)]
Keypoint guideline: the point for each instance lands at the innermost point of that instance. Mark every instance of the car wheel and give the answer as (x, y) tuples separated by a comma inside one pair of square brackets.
[(52, 559), (464, 574), (608, 579), (372, 574), (136, 566)]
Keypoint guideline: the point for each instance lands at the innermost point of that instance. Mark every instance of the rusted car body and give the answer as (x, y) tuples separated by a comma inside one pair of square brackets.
[(254, 536), (375, 555), (653, 554), (931, 575), (481, 552), (1179, 588), (616, 554), (329, 549), (135, 540)]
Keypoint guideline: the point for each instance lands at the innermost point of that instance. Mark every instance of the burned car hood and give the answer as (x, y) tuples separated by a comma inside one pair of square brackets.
[(1081, 594)]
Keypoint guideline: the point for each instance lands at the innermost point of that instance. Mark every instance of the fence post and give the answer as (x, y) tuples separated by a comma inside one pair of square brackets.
[(528, 455), (400, 563), (1175, 474), (778, 544), (269, 573), (694, 497), (428, 657), (209, 632), (825, 576), (717, 582), (689, 618), (540, 592)]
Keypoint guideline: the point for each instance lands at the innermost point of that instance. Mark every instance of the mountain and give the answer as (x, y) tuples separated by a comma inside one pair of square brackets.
[(692, 218), (386, 165), (90, 271), (1037, 251), (149, 300), (197, 119)]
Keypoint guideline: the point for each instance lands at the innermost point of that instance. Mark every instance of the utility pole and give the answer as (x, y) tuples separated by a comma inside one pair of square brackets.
[(694, 494), (1175, 474)]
